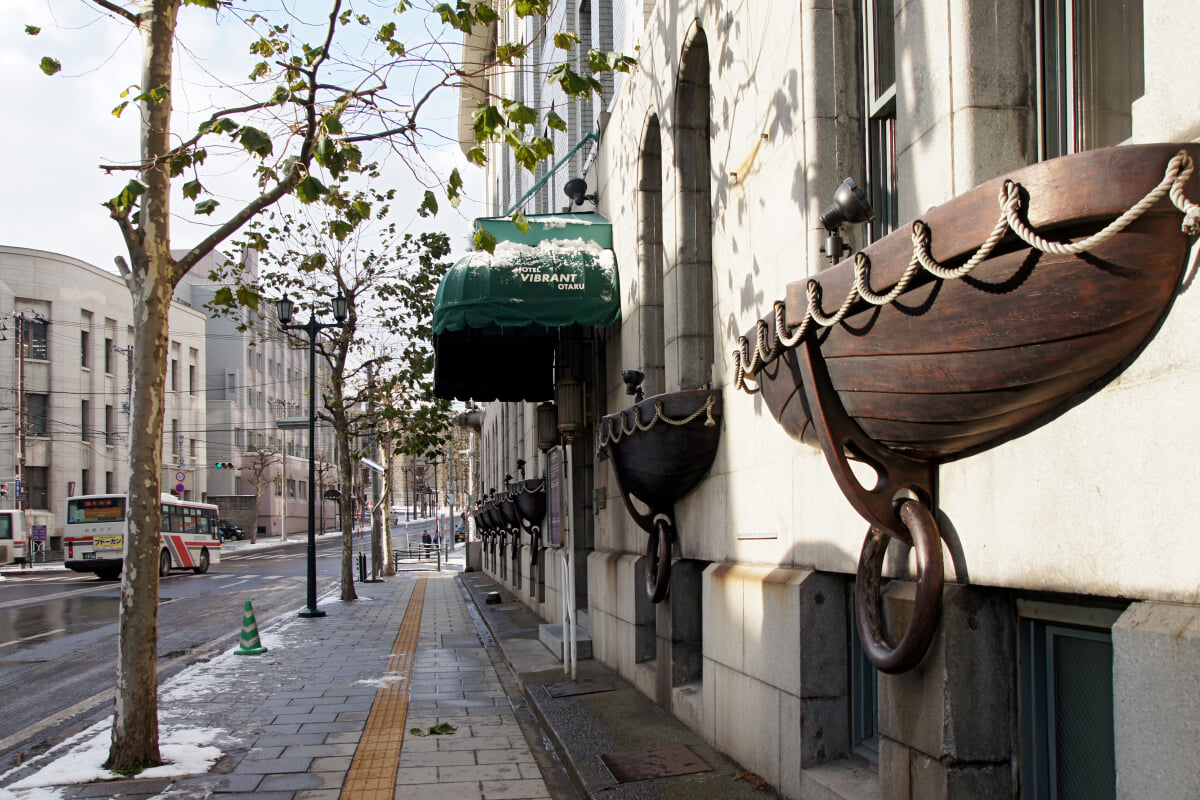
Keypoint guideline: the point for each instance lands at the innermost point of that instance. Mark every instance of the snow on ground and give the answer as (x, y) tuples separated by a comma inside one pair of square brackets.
[(187, 749)]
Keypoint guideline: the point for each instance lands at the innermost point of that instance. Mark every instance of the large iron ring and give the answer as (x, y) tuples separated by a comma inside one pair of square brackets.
[(928, 602), (658, 559)]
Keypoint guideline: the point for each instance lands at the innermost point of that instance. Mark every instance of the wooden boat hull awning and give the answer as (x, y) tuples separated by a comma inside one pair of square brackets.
[(980, 322), (498, 316), (952, 367)]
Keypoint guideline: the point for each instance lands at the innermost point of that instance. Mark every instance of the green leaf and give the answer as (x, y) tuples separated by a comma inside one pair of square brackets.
[(429, 206), (441, 729), (332, 124), (192, 189), (555, 122), (309, 189), (116, 112), (206, 207), (507, 53), (521, 221), (213, 4), (220, 125), (530, 8), (484, 14), (255, 141), (50, 65), (123, 202), (32, 30), (485, 240), (566, 40), (486, 119), (477, 156), (314, 262), (520, 114)]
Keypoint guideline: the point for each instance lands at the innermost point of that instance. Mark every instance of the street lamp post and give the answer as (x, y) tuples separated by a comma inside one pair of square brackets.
[(284, 307)]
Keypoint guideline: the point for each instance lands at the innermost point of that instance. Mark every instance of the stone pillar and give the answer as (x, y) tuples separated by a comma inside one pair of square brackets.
[(1156, 701), (947, 728)]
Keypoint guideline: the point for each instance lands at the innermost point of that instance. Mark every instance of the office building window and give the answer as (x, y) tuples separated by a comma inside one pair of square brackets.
[(85, 359), (174, 375), (37, 483), (33, 339), (879, 84), (85, 420), (85, 481), (1090, 70), (175, 438), (110, 425), (108, 356), (35, 414), (191, 379), (110, 483)]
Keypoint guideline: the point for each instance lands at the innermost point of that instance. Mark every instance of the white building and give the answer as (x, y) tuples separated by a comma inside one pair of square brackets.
[(71, 380), (1064, 657), (254, 380)]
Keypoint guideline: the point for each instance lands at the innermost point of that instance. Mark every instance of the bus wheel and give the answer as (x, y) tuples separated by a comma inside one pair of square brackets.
[(201, 565), (108, 574), (164, 563)]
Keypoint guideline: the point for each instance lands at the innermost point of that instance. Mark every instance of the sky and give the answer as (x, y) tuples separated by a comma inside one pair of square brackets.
[(59, 129)]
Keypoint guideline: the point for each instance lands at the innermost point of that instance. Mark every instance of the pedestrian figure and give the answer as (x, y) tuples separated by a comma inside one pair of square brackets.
[(426, 542)]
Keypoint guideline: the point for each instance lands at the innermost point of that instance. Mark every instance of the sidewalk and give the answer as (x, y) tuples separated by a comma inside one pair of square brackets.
[(418, 689), (392, 695)]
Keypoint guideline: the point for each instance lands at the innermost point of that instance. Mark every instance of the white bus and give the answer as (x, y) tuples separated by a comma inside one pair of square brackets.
[(94, 538), (14, 536)]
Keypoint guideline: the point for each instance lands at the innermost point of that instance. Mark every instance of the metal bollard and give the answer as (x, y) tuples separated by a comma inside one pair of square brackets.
[(362, 567)]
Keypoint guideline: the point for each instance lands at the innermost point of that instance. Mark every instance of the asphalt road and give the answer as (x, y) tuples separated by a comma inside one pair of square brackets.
[(58, 633)]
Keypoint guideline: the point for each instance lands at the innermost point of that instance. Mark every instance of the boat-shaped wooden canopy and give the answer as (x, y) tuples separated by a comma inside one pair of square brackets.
[(983, 320), (660, 448)]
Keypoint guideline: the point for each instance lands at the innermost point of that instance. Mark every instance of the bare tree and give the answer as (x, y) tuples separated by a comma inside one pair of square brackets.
[(261, 468)]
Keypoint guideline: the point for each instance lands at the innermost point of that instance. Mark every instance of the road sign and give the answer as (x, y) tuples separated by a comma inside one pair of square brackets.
[(179, 487), (38, 533), (179, 476)]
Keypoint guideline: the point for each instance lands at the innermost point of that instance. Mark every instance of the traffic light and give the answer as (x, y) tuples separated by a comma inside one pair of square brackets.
[(224, 465)]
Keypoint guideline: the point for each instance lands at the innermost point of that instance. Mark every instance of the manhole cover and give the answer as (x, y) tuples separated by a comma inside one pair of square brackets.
[(659, 762), (582, 686)]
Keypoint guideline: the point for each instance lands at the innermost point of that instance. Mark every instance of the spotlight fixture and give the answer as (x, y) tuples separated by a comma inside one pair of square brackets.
[(850, 205), (576, 189)]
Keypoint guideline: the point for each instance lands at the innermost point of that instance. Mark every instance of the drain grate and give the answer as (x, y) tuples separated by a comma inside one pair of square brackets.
[(581, 686), (659, 762)]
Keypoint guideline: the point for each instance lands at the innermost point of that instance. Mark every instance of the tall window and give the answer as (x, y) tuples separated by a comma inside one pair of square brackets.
[(191, 379), (85, 349), (108, 356), (110, 425), (85, 481), (879, 59), (33, 339), (35, 414), (174, 375), (175, 437), (110, 483), (37, 479), (1066, 678), (85, 420), (1091, 67)]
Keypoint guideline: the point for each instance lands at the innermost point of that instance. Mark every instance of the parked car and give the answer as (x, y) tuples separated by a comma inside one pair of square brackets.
[(228, 531)]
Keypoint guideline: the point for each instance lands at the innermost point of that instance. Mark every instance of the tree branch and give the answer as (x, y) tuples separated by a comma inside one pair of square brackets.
[(136, 19)]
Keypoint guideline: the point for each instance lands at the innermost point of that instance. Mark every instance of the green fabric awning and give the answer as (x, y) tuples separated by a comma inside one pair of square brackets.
[(558, 279), (497, 316)]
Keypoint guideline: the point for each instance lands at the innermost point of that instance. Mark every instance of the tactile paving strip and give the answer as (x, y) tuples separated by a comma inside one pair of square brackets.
[(372, 773)]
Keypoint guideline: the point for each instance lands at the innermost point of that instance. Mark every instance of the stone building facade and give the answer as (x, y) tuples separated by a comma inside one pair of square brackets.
[(1065, 656), (75, 375)]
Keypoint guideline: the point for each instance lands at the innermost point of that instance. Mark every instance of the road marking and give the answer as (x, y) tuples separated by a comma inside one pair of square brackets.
[(36, 600), (35, 636)]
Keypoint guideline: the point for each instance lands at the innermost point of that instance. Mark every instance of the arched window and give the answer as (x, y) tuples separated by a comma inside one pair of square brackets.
[(688, 281), (650, 260)]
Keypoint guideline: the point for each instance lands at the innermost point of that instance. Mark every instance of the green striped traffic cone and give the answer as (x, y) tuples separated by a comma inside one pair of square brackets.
[(250, 646)]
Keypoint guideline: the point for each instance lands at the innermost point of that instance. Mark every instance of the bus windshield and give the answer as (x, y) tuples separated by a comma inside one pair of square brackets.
[(96, 509)]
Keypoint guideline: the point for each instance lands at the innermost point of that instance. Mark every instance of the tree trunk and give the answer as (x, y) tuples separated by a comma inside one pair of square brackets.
[(346, 469), (135, 708)]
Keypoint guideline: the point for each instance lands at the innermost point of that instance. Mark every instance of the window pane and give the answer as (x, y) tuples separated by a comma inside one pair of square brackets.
[(1110, 67), (883, 18), (1083, 732)]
